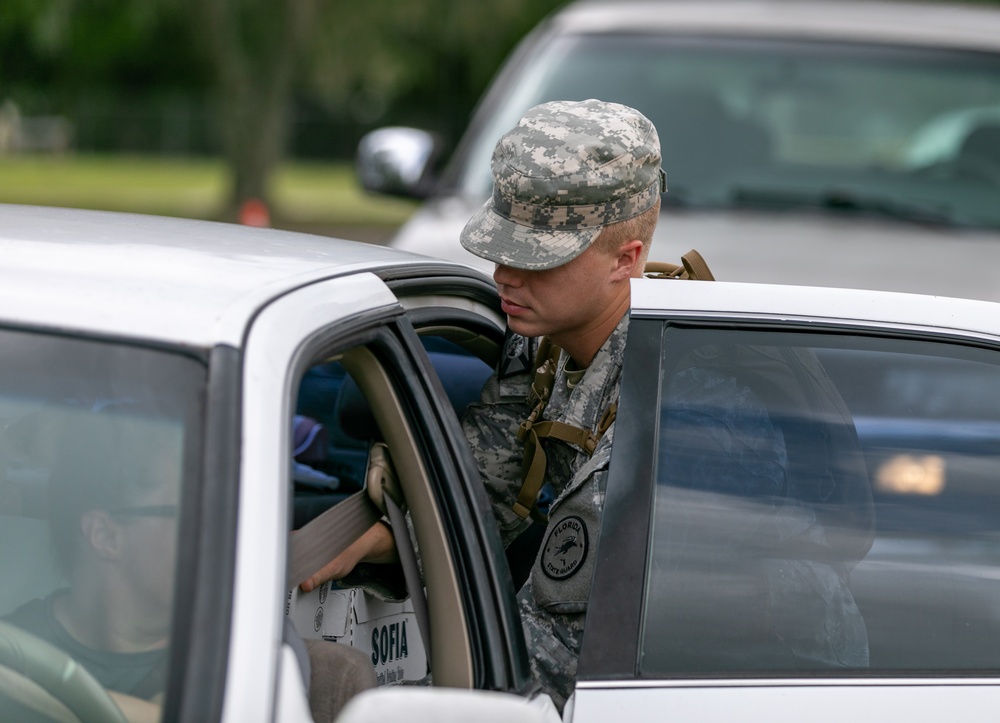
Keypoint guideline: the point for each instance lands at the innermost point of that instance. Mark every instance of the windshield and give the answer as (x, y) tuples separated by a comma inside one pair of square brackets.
[(97, 441), (908, 132)]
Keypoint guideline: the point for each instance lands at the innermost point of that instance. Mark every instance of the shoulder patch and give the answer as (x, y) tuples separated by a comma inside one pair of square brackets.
[(566, 548), (516, 358)]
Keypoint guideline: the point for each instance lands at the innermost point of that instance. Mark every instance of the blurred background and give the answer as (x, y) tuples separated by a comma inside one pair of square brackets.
[(193, 107)]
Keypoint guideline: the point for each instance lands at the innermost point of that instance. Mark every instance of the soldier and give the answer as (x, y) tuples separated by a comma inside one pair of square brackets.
[(575, 201)]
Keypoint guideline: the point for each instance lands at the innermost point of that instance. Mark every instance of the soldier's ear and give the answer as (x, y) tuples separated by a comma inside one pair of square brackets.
[(628, 262)]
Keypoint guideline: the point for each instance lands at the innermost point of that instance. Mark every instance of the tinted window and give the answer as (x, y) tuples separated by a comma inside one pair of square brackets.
[(824, 503), (850, 127), (96, 441)]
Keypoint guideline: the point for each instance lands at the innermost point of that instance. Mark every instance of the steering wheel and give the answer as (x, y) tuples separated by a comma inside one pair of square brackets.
[(56, 673)]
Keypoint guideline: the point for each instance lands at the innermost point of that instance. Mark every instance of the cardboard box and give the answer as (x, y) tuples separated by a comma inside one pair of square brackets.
[(387, 632)]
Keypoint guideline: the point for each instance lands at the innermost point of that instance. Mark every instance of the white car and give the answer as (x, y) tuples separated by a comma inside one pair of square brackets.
[(849, 144), (801, 517)]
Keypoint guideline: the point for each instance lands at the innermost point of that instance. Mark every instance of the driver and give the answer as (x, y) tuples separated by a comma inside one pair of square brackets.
[(113, 502)]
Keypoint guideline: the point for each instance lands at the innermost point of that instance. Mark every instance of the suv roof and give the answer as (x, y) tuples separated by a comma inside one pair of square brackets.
[(939, 25)]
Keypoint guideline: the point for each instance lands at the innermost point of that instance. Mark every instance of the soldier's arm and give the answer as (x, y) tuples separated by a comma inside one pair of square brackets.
[(375, 545)]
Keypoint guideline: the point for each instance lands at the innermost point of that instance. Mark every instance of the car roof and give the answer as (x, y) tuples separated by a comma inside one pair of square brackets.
[(909, 23), (172, 280), (815, 306)]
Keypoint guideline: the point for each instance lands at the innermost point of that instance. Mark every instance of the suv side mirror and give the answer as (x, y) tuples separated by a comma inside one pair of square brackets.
[(398, 161)]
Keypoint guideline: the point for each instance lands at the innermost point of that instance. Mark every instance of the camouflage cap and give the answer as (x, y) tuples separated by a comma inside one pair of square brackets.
[(565, 171)]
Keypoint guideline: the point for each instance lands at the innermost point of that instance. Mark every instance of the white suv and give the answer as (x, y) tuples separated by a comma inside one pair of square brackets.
[(851, 144)]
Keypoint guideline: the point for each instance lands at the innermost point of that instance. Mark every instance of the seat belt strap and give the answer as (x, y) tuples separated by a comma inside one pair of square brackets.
[(329, 534), (411, 573)]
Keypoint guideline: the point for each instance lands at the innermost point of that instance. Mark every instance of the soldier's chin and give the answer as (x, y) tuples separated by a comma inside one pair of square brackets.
[(520, 326)]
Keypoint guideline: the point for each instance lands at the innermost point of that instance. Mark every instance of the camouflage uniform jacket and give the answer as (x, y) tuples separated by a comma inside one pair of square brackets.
[(553, 601)]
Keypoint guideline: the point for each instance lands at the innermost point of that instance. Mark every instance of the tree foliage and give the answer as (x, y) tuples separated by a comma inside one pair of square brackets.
[(253, 67)]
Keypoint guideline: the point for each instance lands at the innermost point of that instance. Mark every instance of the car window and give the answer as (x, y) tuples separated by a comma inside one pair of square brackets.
[(765, 122), (824, 504), (98, 442), (353, 408)]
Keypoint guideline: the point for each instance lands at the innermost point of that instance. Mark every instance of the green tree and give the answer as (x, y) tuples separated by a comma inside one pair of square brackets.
[(417, 62), (255, 47)]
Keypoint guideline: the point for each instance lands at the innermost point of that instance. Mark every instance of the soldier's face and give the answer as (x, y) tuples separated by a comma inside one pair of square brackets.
[(570, 299)]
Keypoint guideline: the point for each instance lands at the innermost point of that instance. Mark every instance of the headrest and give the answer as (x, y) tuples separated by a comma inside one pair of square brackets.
[(462, 375)]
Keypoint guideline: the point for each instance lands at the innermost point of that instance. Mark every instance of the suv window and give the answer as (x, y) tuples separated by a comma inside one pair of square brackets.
[(823, 503)]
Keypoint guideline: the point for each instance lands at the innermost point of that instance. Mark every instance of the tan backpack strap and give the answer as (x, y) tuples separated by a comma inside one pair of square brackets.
[(663, 270), (696, 267), (692, 266)]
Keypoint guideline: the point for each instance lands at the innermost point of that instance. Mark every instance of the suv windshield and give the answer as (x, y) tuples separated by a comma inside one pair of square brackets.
[(97, 441), (903, 132)]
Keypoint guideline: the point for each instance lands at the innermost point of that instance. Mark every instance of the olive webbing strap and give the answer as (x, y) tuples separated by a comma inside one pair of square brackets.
[(533, 462), (533, 431)]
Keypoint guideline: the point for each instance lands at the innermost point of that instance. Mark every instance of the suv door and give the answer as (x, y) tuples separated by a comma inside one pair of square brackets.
[(802, 509)]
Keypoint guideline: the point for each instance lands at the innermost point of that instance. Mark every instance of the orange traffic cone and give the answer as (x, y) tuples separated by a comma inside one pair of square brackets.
[(254, 212)]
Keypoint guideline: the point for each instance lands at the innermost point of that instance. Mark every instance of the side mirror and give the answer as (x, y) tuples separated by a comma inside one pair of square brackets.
[(446, 705), (398, 161)]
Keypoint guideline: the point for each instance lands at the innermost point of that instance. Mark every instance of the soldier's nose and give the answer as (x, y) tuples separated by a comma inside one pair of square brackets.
[(505, 275)]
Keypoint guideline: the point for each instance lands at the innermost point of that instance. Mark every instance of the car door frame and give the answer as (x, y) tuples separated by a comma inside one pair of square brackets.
[(609, 660), (284, 336)]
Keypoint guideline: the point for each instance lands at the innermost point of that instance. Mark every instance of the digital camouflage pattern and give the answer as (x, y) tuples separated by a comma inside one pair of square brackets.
[(565, 171), (553, 602)]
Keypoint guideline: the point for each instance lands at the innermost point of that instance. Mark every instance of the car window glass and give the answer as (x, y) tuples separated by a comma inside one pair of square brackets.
[(97, 441), (784, 123), (824, 503), (333, 426)]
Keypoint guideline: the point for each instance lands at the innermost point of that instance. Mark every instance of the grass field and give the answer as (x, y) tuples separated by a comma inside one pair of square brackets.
[(323, 198)]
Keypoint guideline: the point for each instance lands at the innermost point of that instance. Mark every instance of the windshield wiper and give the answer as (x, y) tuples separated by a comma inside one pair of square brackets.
[(845, 201)]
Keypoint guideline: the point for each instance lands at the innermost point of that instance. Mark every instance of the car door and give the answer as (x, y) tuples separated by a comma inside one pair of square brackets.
[(359, 361), (803, 509)]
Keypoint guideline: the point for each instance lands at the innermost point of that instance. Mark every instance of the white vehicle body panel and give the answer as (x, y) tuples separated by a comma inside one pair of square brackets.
[(160, 279), (914, 701)]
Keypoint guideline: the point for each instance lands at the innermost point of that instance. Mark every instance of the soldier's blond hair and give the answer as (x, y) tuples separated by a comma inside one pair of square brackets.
[(639, 227)]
